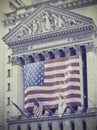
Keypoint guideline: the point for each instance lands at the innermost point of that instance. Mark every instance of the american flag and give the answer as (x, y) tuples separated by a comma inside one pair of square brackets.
[(37, 109), (45, 79)]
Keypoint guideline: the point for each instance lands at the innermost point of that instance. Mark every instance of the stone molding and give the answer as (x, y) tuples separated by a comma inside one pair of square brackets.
[(50, 54), (12, 18)]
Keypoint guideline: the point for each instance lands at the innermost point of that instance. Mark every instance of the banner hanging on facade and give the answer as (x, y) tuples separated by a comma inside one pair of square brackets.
[(44, 81)]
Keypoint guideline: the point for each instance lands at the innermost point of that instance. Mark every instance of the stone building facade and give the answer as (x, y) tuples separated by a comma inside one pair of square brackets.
[(49, 31)]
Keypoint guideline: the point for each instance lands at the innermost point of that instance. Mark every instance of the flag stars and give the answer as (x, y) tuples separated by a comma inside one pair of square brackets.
[(34, 74)]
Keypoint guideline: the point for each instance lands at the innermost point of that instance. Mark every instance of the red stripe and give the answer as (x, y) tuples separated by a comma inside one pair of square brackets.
[(61, 67), (61, 74), (52, 91), (62, 82), (72, 96), (53, 98), (61, 59), (53, 76)]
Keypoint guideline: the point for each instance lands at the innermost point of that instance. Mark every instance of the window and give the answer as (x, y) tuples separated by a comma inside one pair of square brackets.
[(84, 125), (8, 87), (28, 127), (8, 75), (61, 126), (50, 126), (9, 59), (18, 127), (39, 126), (8, 101), (72, 125)]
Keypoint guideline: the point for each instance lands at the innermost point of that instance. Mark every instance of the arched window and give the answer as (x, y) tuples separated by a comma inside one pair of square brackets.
[(51, 55), (72, 51), (62, 53), (41, 57)]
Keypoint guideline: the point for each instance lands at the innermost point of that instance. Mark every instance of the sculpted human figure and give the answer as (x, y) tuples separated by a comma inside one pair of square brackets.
[(47, 21), (60, 22), (55, 20), (35, 27)]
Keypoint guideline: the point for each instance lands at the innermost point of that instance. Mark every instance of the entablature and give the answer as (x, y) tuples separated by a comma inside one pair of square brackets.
[(49, 32), (52, 53), (47, 44)]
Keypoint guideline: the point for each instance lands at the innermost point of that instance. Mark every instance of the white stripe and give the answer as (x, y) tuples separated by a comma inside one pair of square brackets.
[(61, 71), (50, 87)]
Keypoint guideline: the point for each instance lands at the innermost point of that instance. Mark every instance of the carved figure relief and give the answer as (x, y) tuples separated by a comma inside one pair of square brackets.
[(47, 21)]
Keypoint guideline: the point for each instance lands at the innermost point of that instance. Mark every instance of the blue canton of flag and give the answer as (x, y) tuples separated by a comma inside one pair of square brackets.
[(34, 74)]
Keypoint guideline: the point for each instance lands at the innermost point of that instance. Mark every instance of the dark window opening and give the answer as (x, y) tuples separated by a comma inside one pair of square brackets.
[(8, 101), (72, 51), (41, 57), (62, 53), (18, 127), (72, 125), (8, 87), (9, 59), (28, 127), (51, 55), (84, 125), (50, 126), (61, 125), (39, 126), (8, 74)]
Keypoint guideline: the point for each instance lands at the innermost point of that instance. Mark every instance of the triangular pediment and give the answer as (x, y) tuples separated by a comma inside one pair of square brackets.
[(46, 20)]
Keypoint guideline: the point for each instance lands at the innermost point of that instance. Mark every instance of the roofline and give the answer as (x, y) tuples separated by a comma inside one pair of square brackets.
[(83, 4)]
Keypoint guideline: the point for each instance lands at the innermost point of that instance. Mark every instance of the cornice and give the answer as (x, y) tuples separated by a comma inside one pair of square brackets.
[(13, 17), (51, 53), (78, 4), (66, 117), (52, 36)]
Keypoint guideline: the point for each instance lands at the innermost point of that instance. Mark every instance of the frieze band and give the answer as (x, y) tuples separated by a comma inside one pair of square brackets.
[(50, 54)]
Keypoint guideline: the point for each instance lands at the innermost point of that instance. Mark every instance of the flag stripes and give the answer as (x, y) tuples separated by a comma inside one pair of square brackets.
[(45, 79), (37, 109)]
